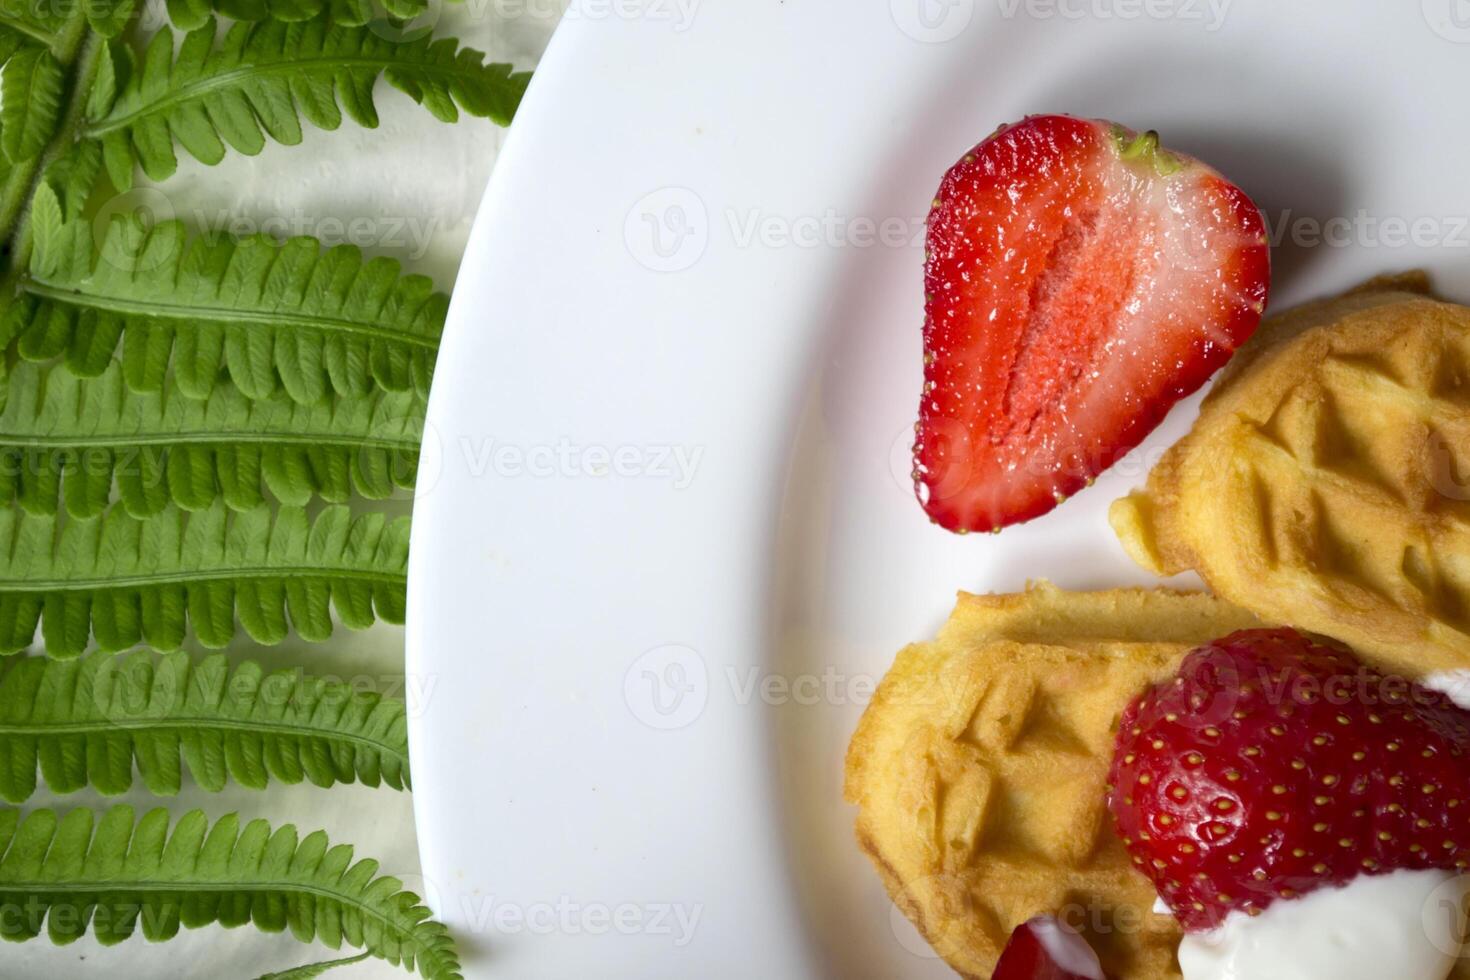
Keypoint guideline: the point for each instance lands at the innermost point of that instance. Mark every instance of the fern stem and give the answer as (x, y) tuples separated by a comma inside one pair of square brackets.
[(31, 31), (21, 188), (192, 577), (206, 438), (231, 79), (112, 725), (179, 311)]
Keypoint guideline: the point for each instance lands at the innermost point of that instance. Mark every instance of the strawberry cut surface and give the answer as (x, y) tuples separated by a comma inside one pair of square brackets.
[(1045, 948), (1273, 765), (1079, 281)]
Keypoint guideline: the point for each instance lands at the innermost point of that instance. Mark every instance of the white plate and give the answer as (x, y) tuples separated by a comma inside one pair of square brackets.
[(669, 544)]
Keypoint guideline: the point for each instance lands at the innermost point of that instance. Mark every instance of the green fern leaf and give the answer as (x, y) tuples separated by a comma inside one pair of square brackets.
[(77, 437), (46, 216), (312, 970), (260, 79), (72, 177), (111, 58), (272, 315), (70, 873), (30, 103), (87, 720), (126, 580), (190, 15)]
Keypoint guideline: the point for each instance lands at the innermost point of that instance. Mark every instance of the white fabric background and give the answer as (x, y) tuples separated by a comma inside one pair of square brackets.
[(417, 183)]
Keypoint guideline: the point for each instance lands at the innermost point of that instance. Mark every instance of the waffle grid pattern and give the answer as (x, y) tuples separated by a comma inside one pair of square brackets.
[(980, 770), (1329, 486)]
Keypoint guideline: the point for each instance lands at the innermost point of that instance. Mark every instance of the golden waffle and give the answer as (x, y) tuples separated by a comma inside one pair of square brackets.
[(1325, 483), (979, 770)]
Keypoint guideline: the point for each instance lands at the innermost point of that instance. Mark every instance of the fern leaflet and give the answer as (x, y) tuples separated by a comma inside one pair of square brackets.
[(30, 102), (190, 14), (60, 434), (113, 875), (271, 315), (126, 580), (310, 971), (261, 78), (72, 177), (86, 720)]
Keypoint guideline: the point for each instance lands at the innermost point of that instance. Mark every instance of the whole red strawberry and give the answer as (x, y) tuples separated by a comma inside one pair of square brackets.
[(1273, 765), (1080, 280)]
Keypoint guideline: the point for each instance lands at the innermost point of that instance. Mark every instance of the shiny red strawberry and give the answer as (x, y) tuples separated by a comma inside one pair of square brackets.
[(1047, 949), (1080, 280), (1272, 765)]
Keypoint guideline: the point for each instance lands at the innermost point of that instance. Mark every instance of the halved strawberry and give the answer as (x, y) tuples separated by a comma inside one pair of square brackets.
[(1272, 765), (1080, 280), (1045, 948)]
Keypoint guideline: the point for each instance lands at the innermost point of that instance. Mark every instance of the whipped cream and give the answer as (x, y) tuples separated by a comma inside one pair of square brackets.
[(1454, 684), (1400, 926), (1067, 950)]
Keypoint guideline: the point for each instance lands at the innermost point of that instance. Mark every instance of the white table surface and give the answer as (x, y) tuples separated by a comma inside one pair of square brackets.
[(417, 183)]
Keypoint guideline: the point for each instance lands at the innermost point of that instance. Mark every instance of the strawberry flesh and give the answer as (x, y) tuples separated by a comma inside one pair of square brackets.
[(1272, 765), (1079, 281), (1045, 948)]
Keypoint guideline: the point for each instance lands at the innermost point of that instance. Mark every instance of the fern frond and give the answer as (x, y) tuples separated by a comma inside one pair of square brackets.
[(68, 436), (86, 720), (111, 875), (126, 580), (272, 315), (261, 78)]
